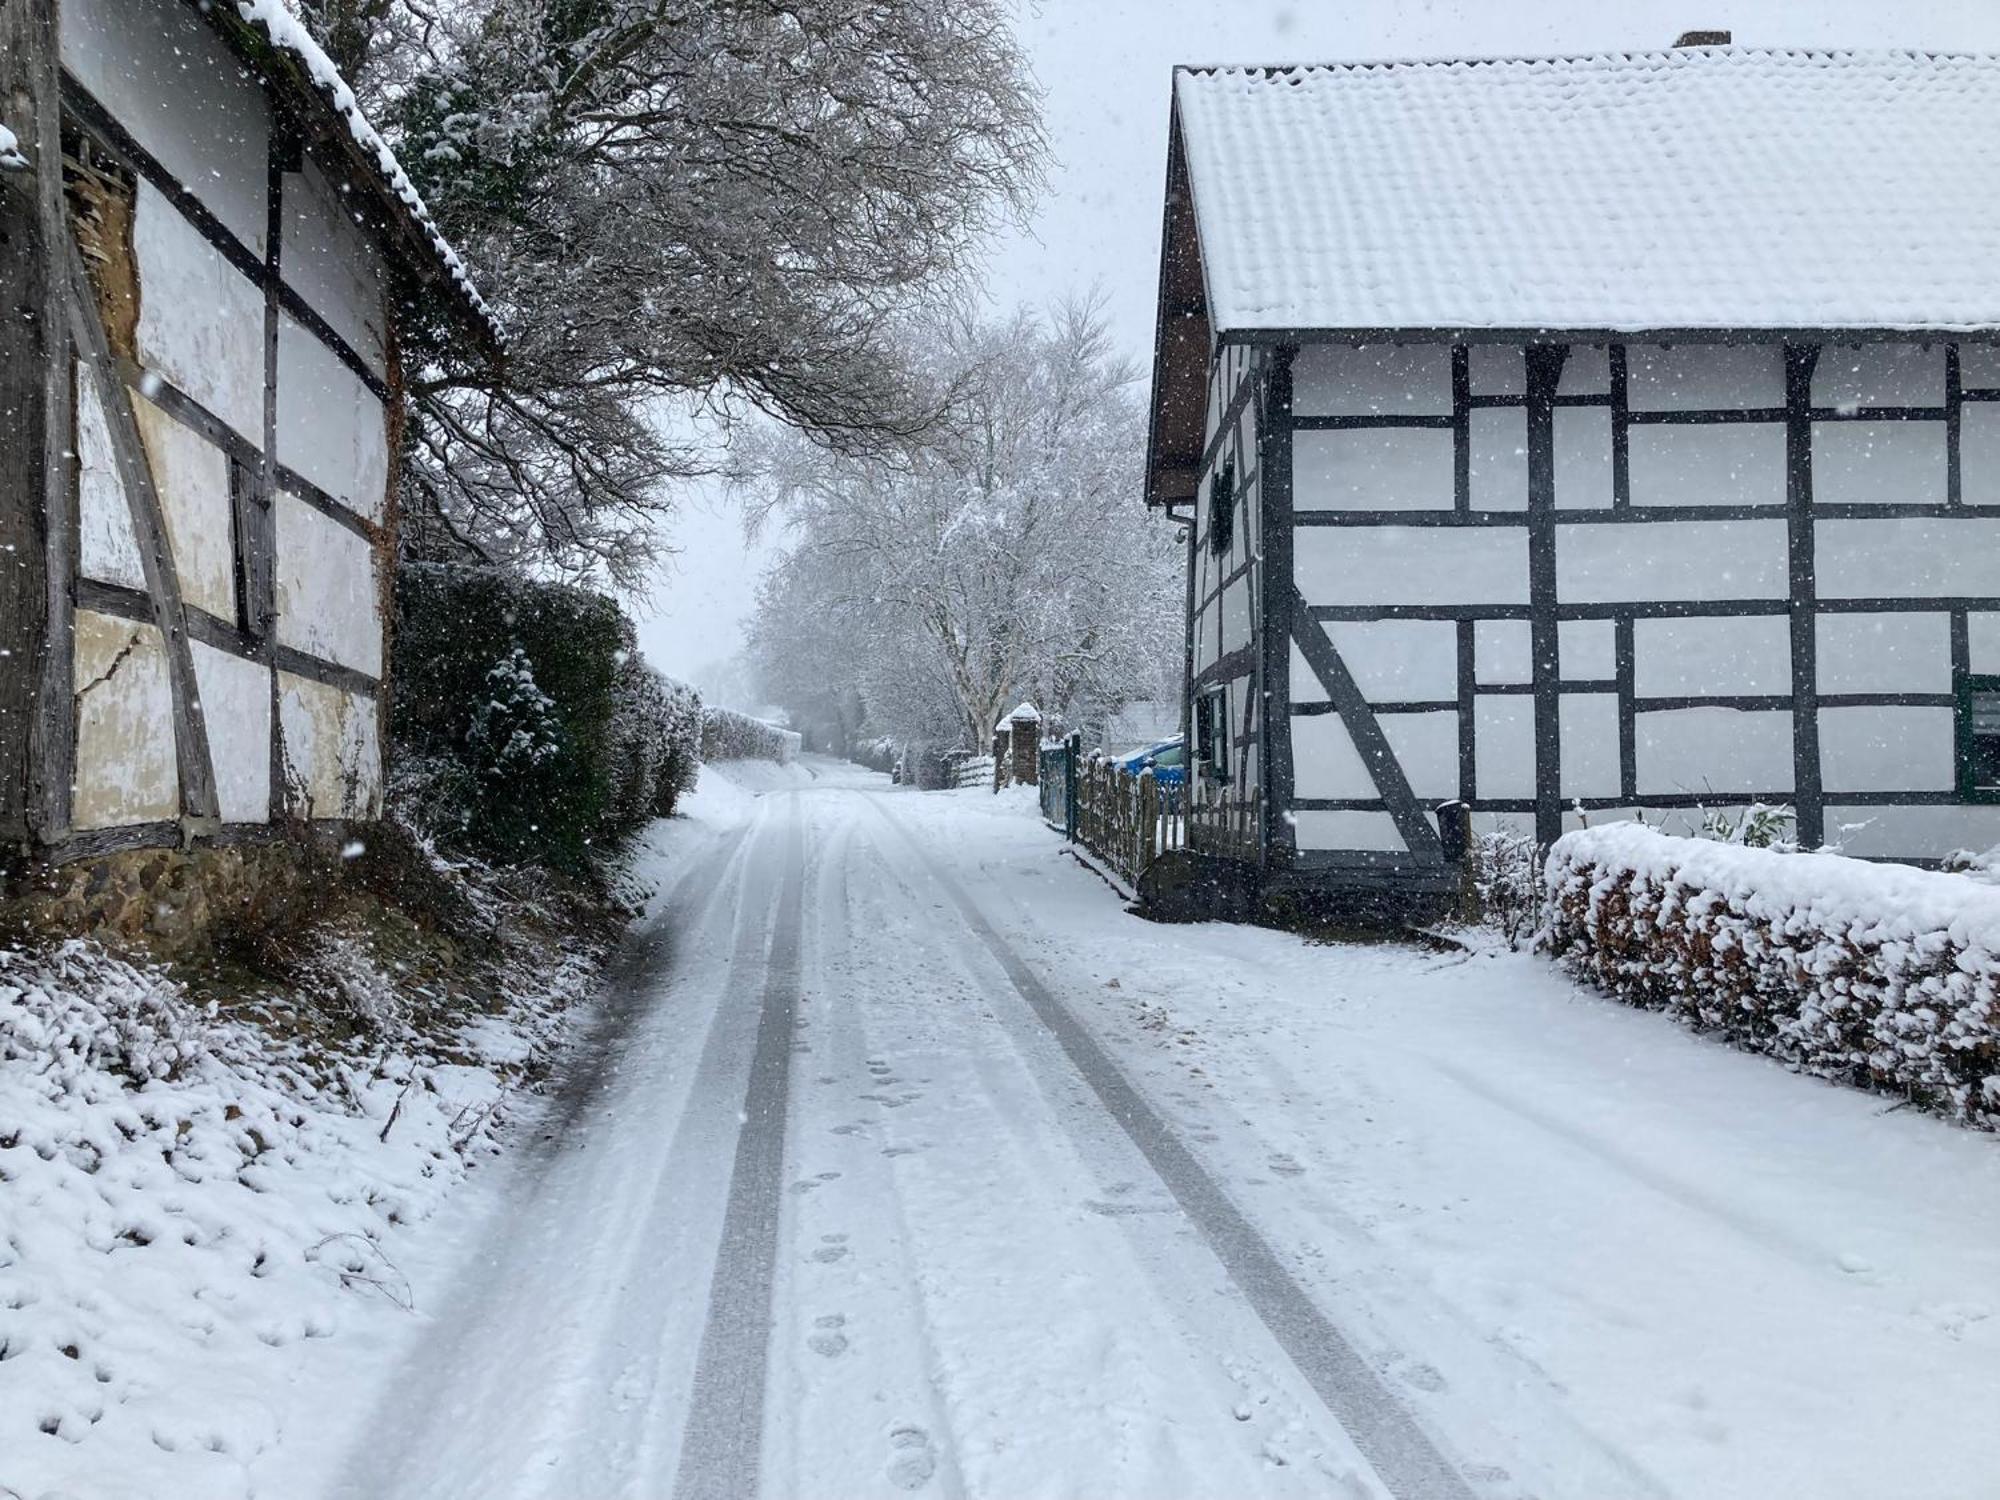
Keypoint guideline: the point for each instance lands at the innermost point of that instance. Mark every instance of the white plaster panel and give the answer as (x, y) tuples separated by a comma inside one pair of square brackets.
[(1399, 660), (191, 476), (1983, 635), (1979, 453), (1371, 831), (1979, 366), (1324, 760), (1583, 457), (1724, 750), (1502, 652), (126, 771), (1884, 653), (1908, 557), (1911, 832), (1497, 441), (1703, 377), (1587, 371), (1613, 562), (1394, 468), (1588, 736), (1708, 463), (1368, 380), (333, 756), (1886, 749), (1503, 745), (1708, 656), (1365, 565), (107, 547), (1879, 374), (329, 599), (201, 321), (1426, 747), (329, 260), (1497, 370), (1236, 611), (1305, 687), (1587, 650), (1878, 463), (331, 429), (236, 707), (163, 73)]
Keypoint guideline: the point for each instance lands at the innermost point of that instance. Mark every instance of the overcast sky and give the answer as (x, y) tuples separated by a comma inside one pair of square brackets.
[(1106, 64)]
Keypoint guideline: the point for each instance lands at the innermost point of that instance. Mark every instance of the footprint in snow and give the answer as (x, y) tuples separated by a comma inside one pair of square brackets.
[(829, 1342), (1286, 1166), (912, 1459), (847, 1129)]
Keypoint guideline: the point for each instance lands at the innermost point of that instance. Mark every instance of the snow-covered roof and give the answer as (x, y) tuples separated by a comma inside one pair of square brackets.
[(1699, 188), (288, 35)]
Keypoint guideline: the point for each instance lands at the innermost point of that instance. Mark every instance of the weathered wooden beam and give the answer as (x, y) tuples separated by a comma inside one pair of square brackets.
[(34, 436), (149, 527)]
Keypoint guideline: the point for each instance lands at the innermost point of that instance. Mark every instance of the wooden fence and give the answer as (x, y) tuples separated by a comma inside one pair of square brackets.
[(1127, 820)]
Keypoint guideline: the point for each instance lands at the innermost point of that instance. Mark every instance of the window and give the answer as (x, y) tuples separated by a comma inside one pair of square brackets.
[(1979, 738), (1222, 509), (1211, 733)]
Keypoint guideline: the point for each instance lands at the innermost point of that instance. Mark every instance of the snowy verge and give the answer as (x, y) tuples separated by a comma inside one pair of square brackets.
[(1880, 975), (205, 1171)]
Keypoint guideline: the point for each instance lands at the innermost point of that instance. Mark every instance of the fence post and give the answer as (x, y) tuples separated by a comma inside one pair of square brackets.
[(1149, 820), (1072, 749)]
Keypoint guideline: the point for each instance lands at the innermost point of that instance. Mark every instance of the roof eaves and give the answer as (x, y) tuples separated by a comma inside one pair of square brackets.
[(251, 26)]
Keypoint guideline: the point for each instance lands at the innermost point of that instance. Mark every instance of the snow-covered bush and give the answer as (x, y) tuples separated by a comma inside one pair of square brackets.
[(1506, 883), (728, 735), (1881, 975), (525, 726), (655, 745)]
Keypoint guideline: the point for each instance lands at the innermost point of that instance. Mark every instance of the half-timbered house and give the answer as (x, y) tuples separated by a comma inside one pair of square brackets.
[(205, 252), (1583, 437)]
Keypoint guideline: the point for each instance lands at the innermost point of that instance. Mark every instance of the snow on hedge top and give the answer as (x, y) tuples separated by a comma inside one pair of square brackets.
[(1797, 893), (288, 34), (1703, 188)]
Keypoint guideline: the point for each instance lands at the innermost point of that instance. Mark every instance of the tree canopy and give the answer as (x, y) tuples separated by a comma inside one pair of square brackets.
[(677, 209)]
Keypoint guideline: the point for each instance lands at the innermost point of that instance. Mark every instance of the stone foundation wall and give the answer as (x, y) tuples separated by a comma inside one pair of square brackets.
[(169, 902)]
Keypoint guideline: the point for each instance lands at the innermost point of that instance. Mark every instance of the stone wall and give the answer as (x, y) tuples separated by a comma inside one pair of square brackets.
[(168, 902)]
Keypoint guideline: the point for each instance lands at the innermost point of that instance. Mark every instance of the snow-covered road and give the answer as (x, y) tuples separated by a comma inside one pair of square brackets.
[(903, 1160)]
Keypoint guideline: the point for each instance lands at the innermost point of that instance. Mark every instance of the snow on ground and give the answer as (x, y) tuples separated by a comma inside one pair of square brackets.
[(1549, 1216), (1575, 1250), (190, 1204)]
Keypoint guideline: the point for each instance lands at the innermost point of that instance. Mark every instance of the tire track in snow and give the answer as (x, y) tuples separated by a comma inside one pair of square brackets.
[(723, 1442), (1402, 1453)]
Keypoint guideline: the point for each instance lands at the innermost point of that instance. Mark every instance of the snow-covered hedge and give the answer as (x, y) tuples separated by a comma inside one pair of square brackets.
[(654, 745), (1882, 975), (728, 735)]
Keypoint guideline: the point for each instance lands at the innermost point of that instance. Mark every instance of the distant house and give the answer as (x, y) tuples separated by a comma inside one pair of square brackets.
[(210, 251), (1580, 436)]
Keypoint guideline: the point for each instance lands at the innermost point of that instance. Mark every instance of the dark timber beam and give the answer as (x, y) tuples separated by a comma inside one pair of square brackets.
[(1808, 796), (1275, 592), (33, 407), (1366, 732), (1545, 364)]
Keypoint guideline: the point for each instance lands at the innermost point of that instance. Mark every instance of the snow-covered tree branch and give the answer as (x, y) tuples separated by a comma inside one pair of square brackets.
[(700, 208)]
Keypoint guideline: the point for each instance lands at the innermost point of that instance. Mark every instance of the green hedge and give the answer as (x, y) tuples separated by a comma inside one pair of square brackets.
[(523, 724)]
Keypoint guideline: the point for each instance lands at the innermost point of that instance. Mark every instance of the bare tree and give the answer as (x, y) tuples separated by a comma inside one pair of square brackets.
[(1005, 555), (680, 208)]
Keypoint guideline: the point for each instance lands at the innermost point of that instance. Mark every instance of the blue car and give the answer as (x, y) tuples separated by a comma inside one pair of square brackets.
[(1167, 760)]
